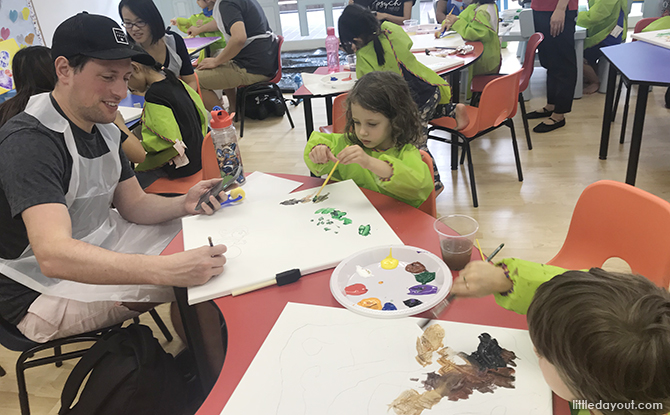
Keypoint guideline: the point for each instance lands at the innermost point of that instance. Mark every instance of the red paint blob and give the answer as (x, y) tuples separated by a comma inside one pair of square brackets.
[(356, 289)]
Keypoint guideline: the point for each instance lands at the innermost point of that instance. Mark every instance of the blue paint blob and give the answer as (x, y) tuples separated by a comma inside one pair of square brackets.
[(333, 78), (389, 306), (422, 290), (412, 302)]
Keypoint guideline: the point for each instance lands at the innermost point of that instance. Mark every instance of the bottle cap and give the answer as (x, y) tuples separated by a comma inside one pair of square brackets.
[(220, 118), (330, 31)]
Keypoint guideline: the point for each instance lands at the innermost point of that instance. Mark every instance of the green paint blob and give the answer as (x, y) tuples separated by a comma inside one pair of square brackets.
[(364, 230), (326, 229), (347, 221), (425, 277), (324, 210), (337, 214)]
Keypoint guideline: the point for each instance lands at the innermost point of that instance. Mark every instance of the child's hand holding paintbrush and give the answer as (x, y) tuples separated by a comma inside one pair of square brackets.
[(353, 154), (481, 278)]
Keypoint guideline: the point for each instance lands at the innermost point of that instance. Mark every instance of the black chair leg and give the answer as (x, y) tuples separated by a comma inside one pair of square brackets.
[(57, 352), (616, 99), (21, 382), (463, 155), (624, 120), (454, 151), (161, 325), (471, 171), (525, 121), (515, 146)]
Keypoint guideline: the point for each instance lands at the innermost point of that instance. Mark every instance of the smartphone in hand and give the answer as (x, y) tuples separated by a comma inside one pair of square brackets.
[(214, 191)]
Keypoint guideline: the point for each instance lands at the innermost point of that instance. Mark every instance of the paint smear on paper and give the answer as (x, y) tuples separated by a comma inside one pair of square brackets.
[(321, 198), (485, 370), (364, 230), (356, 289)]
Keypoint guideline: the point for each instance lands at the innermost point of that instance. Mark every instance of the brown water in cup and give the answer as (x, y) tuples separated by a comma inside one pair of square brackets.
[(456, 253)]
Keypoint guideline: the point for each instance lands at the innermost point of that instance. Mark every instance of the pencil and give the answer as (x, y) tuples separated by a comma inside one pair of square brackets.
[(327, 178)]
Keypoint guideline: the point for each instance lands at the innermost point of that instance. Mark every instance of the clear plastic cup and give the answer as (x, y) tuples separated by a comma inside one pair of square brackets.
[(457, 235), (411, 26), (351, 61)]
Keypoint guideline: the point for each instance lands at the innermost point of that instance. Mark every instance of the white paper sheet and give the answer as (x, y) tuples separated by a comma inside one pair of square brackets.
[(330, 361), (316, 86), (265, 238), (130, 113), (423, 42), (262, 186), (658, 37), (437, 63)]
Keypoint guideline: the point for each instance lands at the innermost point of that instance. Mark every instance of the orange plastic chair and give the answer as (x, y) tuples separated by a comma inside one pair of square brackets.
[(496, 108), (259, 88), (639, 26), (181, 185), (197, 82), (480, 81), (429, 206), (339, 115), (613, 219)]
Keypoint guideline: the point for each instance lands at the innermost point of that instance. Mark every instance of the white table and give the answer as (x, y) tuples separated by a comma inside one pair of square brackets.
[(515, 33)]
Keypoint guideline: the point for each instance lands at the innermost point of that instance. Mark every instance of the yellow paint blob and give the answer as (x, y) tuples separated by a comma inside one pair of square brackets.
[(371, 303), (389, 262)]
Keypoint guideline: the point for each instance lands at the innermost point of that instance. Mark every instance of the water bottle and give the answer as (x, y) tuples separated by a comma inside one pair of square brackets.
[(332, 51), (226, 147)]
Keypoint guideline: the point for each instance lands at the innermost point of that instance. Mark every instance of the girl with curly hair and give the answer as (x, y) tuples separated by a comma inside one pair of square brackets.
[(378, 149)]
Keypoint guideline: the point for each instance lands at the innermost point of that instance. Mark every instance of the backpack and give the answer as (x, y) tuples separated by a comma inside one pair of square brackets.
[(130, 373), (259, 107)]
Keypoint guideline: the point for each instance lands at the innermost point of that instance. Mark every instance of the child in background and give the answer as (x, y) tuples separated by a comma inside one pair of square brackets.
[(174, 123), (387, 47), (600, 336), (198, 20), (377, 150), (479, 22)]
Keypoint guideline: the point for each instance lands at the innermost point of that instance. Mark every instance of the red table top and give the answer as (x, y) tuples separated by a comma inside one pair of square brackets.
[(468, 60), (250, 317)]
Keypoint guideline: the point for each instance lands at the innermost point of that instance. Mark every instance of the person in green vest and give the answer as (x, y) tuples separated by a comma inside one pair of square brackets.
[(197, 20), (606, 23), (174, 123), (602, 338), (386, 47), (479, 22), (377, 149)]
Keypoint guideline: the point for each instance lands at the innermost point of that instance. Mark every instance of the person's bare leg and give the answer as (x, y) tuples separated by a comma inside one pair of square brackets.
[(231, 94), (208, 317), (591, 80), (209, 98), (461, 115)]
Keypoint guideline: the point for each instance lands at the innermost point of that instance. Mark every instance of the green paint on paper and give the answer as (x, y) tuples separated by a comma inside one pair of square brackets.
[(321, 198), (425, 277), (337, 214), (325, 210), (347, 221), (364, 230)]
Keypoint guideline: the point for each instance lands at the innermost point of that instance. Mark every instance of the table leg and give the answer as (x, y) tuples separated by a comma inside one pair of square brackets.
[(309, 120), (607, 116), (455, 83), (638, 125), (193, 331), (579, 52), (329, 109)]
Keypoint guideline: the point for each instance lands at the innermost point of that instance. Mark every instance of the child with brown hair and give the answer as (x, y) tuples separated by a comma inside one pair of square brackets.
[(377, 149), (601, 337)]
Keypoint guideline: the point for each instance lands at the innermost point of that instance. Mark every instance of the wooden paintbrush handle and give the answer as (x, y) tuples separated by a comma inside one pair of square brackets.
[(254, 287)]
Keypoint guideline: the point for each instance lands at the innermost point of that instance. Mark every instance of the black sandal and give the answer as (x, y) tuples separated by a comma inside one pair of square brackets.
[(539, 114)]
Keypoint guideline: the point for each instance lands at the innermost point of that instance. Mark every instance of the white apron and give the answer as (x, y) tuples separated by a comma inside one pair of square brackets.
[(88, 199), (175, 60), (219, 22)]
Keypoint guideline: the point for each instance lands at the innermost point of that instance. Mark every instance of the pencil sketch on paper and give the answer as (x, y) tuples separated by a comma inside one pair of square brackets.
[(460, 374), (234, 239)]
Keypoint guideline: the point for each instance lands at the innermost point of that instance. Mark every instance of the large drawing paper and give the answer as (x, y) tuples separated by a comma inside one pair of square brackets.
[(437, 63), (658, 37), (330, 361), (423, 42), (265, 238)]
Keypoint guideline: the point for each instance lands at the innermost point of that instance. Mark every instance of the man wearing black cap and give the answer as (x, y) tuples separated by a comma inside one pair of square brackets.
[(69, 263)]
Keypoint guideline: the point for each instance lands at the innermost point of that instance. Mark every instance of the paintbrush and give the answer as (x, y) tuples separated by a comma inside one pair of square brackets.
[(444, 25), (283, 278), (436, 311), (326, 182)]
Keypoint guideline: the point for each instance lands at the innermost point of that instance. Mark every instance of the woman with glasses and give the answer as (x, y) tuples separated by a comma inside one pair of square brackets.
[(146, 27)]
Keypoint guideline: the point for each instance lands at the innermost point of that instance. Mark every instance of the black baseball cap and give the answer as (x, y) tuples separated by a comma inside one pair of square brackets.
[(94, 36)]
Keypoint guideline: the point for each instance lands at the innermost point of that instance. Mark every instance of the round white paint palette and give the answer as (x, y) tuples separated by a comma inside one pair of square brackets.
[(339, 80), (395, 283)]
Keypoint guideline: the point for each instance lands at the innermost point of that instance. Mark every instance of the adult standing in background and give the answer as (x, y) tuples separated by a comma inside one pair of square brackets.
[(555, 19), (394, 11), (250, 55), (146, 26)]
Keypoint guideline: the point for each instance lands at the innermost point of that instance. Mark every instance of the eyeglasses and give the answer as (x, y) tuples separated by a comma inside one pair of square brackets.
[(140, 24)]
